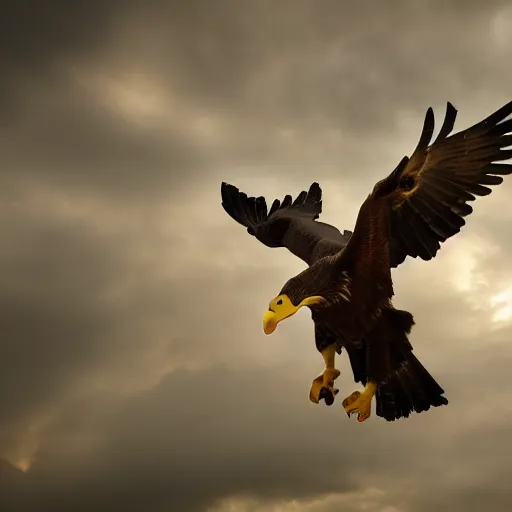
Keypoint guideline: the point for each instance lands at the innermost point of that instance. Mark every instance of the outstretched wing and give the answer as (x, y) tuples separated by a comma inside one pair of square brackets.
[(430, 191), (289, 223)]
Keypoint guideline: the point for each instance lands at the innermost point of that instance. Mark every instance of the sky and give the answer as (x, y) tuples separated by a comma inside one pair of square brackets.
[(134, 372)]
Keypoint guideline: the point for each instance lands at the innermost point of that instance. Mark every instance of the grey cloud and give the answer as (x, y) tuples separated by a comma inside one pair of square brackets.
[(256, 86), (71, 140), (35, 38), (221, 432), (53, 322), (133, 366), (203, 440)]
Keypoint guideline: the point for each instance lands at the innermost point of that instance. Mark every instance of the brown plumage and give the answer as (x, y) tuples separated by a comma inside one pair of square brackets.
[(348, 284)]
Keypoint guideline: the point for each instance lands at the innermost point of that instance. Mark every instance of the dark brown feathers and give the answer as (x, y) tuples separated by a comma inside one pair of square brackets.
[(429, 192), (290, 223), (409, 389), (252, 211)]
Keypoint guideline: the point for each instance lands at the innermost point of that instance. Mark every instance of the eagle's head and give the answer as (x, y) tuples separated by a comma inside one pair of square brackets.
[(314, 287)]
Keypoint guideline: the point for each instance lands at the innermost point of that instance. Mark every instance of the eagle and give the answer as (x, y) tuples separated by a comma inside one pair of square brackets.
[(347, 284)]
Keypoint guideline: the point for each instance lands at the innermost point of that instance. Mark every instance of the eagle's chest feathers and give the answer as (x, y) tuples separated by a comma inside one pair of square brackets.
[(352, 307)]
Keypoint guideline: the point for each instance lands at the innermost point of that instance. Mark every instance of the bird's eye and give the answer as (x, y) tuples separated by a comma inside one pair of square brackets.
[(279, 302), (407, 183)]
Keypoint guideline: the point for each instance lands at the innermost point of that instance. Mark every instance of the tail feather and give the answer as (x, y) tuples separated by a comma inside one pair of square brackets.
[(410, 389)]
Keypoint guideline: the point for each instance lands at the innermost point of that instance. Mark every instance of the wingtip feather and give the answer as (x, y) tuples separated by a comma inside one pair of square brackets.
[(426, 132), (448, 123)]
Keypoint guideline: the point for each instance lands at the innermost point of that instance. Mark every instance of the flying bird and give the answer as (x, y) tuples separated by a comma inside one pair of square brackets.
[(347, 284)]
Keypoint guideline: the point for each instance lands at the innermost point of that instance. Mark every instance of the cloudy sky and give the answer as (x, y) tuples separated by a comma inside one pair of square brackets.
[(134, 373)]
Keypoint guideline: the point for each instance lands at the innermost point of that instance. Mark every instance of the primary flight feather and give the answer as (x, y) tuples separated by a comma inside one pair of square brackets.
[(348, 286)]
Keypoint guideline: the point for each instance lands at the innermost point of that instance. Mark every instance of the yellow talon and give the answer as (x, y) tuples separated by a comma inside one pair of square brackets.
[(323, 386), (360, 402)]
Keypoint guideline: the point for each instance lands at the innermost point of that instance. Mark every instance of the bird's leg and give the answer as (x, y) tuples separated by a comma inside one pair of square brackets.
[(323, 385), (360, 402)]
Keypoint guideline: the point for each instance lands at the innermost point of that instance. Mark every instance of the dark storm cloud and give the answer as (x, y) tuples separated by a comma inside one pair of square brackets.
[(315, 56), (323, 78), (202, 441), (35, 37), (193, 439), (72, 140), (68, 137), (53, 320), (133, 366)]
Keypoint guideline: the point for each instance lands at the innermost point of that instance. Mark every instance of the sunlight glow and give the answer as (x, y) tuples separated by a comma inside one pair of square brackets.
[(502, 305), (148, 104), (132, 95), (369, 500), (23, 464), (500, 28)]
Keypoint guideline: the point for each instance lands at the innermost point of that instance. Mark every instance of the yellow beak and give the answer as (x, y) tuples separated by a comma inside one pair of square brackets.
[(280, 308), (270, 322)]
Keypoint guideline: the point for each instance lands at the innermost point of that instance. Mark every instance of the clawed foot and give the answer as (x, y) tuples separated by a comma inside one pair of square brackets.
[(323, 387), (359, 403)]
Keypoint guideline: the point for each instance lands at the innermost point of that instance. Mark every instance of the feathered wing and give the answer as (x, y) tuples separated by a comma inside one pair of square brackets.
[(429, 193), (289, 223)]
